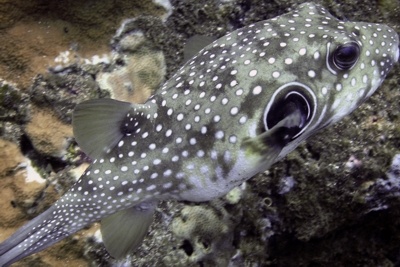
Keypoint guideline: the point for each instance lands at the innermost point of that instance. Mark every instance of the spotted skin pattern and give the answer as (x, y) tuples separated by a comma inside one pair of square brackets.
[(222, 118)]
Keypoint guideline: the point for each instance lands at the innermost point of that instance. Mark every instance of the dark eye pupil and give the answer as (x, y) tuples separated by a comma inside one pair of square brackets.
[(346, 56)]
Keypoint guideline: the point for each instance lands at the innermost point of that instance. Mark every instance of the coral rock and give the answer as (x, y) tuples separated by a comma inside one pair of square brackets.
[(48, 135)]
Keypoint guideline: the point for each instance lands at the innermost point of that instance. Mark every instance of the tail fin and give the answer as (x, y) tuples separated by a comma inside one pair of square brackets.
[(98, 126), (38, 234)]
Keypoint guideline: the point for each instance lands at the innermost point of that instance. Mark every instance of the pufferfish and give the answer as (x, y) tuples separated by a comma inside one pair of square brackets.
[(239, 105)]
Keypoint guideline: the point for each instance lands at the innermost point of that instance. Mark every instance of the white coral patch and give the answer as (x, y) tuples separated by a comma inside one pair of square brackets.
[(166, 5), (32, 175)]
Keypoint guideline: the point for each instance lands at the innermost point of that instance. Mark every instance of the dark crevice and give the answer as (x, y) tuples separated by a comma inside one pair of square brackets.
[(43, 162), (187, 247), (26, 145), (314, 154)]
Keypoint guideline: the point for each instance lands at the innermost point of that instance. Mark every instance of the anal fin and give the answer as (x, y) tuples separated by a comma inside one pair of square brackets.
[(125, 230)]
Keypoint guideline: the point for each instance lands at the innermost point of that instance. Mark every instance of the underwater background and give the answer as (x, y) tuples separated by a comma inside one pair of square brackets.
[(334, 201)]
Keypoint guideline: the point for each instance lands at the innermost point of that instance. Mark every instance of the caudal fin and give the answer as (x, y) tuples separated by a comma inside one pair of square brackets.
[(38, 234)]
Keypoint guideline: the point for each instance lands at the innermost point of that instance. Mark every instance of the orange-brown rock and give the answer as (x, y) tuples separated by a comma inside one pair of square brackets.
[(47, 133)]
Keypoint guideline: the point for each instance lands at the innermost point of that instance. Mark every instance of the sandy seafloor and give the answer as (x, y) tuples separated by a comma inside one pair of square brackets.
[(342, 208)]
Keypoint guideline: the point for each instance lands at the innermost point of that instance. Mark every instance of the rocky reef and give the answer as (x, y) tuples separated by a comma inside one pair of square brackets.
[(333, 201)]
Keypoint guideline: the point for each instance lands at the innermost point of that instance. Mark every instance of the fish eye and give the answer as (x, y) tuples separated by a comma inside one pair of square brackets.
[(294, 98), (345, 56)]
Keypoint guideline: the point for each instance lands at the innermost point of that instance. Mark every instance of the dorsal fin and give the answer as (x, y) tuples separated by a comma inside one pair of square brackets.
[(194, 44), (98, 124)]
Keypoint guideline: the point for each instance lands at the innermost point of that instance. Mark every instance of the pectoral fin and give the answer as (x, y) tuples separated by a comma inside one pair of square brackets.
[(97, 125), (125, 230), (267, 146)]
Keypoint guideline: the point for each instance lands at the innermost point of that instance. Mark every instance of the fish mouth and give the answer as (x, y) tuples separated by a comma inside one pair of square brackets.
[(398, 54)]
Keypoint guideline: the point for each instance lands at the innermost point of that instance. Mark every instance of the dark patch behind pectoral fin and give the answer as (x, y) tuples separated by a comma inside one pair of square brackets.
[(125, 230), (97, 125)]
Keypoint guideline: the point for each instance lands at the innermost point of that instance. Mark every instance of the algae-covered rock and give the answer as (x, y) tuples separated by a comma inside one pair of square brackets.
[(20, 184), (137, 69), (61, 91), (156, 34), (34, 32), (14, 111), (206, 235), (47, 133), (13, 103)]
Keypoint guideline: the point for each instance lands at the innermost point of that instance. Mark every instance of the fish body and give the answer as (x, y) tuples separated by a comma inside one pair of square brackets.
[(238, 106)]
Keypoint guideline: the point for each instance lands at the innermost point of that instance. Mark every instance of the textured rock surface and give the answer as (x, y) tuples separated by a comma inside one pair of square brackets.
[(38, 159), (37, 131), (137, 68), (33, 33), (333, 201)]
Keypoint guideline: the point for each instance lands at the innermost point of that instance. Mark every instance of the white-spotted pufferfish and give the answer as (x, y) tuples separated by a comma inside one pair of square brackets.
[(241, 104)]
